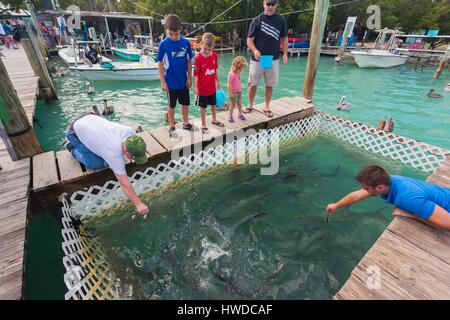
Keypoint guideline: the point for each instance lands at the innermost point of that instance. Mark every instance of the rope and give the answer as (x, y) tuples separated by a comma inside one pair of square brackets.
[(204, 25)]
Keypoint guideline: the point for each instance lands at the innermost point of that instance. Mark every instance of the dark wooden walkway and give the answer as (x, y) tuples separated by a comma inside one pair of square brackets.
[(15, 182), (413, 260)]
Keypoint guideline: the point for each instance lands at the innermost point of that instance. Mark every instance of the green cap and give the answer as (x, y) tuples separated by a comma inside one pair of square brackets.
[(136, 146)]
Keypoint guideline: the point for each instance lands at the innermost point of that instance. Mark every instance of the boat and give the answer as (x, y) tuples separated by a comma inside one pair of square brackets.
[(382, 54), (74, 55), (144, 70), (133, 51)]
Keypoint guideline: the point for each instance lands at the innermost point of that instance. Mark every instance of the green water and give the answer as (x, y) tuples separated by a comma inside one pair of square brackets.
[(374, 93), (238, 235), (308, 270)]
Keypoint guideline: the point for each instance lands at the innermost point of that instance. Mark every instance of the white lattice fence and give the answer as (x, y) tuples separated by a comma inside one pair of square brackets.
[(413, 153), (88, 275)]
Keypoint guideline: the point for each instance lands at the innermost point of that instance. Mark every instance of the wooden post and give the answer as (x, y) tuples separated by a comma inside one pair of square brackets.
[(40, 69), (18, 128), (349, 26), (444, 60), (40, 37), (320, 19)]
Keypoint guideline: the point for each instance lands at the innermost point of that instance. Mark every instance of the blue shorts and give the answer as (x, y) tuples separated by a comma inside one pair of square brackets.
[(82, 154)]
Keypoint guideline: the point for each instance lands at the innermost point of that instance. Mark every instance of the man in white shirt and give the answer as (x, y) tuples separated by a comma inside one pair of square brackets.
[(93, 140)]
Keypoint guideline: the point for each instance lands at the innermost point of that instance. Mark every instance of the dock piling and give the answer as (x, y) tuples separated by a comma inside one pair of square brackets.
[(40, 69), (17, 126), (320, 19)]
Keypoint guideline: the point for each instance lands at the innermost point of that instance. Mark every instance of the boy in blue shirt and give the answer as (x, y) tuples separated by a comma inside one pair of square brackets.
[(416, 199), (175, 70)]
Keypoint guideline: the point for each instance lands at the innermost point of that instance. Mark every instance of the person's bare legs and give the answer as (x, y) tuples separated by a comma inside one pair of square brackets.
[(185, 112), (171, 115), (203, 116), (268, 96), (251, 95), (239, 104), (213, 113), (231, 109)]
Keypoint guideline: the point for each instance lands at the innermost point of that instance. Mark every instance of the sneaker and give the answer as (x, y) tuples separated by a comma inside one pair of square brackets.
[(69, 147), (241, 116), (230, 119), (171, 131), (187, 126)]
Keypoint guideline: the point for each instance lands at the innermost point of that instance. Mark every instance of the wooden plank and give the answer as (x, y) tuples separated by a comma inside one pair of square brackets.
[(153, 147), (69, 168), (421, 274), (45, 172), (433, 241), (11, 286), (179, 138), (12, 223)]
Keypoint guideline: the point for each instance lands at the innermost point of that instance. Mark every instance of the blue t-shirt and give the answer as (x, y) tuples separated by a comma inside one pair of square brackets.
[(417, 197), (175, 56)]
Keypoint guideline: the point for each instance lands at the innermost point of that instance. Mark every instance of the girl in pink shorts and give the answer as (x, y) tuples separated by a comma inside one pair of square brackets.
[(234, 86)]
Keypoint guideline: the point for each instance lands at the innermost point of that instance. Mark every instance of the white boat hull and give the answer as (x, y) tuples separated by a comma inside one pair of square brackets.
[(378, 60), (100, 74), (69, 58)]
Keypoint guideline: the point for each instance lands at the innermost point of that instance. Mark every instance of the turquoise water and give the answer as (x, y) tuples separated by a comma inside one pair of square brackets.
[(374, 93), (303, 257), (235, 234)]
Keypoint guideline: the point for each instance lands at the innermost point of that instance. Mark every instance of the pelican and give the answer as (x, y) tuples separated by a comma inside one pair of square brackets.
[(389, 125), (447, 88), (342, 105), (107, 110), (88, 88), (432, 94)]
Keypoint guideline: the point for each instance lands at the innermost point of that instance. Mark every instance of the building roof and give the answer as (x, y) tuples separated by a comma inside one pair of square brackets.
[(12, 13), (120, 15)]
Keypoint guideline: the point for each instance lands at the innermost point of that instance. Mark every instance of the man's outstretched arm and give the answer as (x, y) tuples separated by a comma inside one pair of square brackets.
[(349, 199), (128, 189)]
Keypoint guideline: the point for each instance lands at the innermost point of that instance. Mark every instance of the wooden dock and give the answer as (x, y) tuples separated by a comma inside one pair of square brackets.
[(412, 258), (56, 173), (23, 78), (14, 190), (15, 182)]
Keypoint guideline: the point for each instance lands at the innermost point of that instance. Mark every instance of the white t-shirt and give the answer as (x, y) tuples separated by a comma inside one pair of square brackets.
[(104, 138), (2, 31)]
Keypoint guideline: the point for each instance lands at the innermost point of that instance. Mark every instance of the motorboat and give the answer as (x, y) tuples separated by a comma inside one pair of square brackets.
[(144, 70), (382, 54)]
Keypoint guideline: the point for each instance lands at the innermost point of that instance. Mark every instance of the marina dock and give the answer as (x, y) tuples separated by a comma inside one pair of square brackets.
[(15, 182), (22, 77), (410, 260), (56, 173)]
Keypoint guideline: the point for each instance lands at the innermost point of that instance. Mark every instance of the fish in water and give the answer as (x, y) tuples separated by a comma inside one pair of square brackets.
[(289, 176), (139, 261), (259, 214), (266, 194), (328, 216)]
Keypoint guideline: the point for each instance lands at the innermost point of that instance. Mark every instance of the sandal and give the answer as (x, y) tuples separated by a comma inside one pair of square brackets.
[(268, 113), (187, 126), (218, 123), (247, 110), (204, 130)]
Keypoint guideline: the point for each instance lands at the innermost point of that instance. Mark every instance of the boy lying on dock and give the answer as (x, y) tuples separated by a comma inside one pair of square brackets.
[(94, 141), (422, 201)]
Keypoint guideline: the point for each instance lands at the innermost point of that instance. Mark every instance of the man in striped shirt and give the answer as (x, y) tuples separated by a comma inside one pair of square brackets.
[(264, 36)]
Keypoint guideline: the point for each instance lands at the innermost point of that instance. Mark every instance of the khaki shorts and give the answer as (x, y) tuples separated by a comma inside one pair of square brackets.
[(270, 75), (236, 97)]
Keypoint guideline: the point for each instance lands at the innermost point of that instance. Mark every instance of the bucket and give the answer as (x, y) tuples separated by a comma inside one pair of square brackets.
[(266, 62), (220, 97)]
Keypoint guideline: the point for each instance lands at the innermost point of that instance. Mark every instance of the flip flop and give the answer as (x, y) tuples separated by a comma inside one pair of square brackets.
[(218, 123), (247, 110), (204, 130), (268, 113), (187, 126)]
